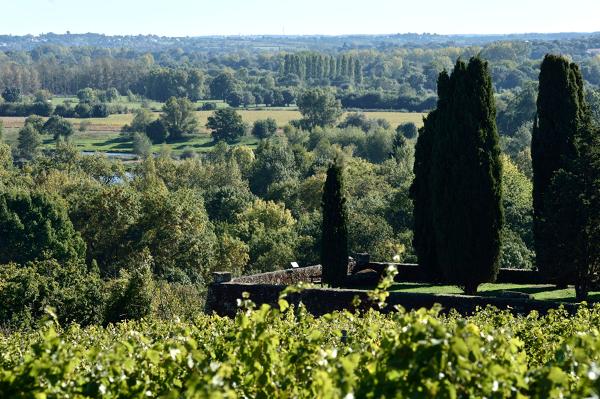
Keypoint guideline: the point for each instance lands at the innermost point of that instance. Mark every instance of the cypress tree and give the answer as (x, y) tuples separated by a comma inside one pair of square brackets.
[(420, 190), (561, 114), (334, 245), (465, 178), (572, 204)]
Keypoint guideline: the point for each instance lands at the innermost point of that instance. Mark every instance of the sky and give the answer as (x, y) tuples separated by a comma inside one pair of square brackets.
[(297, 17)]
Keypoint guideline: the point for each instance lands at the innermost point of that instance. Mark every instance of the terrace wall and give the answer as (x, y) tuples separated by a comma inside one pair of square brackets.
[(266, 288)]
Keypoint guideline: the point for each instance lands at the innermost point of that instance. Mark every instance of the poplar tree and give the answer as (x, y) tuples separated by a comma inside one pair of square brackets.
[(465, 178), (561, 114), (334, 245)]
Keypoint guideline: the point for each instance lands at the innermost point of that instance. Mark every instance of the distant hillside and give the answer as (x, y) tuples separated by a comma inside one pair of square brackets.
[(144, 43)]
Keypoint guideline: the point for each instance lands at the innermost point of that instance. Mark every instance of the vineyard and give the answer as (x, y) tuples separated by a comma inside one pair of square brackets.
[(285, 352)]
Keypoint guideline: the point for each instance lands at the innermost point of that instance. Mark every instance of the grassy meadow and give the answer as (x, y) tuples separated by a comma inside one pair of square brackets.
[(539, 292)]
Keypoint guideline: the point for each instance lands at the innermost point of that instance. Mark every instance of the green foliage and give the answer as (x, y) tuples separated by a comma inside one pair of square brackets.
[(420, 193), (132, 293), (57, 126), (175, 228), (106, 217), (408, 130), (75, 293), (318, 108), (157, 131), (163, 83), (222, 85), (592, 97), (224, 202), (29, 141), (561, 114), (11, 94), (268, 230), (178, 117), (264, 128), (379, 145), (572, 220), (141, 119), (519, 109), (35, 226), (517, 235), (285, 352), (87, 95), (35, 121), (6, 161), (361, 121), (226, 125), (334, 241), (142, 146), (274, 163)]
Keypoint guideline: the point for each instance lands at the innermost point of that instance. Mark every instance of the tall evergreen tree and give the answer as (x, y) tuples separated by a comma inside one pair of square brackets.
[(561, 114), (572, 206), (420, 190), (465, 178), (568, 205), (334, 245)]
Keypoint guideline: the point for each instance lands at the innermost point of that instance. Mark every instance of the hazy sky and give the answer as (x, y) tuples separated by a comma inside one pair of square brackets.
[(232, 17)]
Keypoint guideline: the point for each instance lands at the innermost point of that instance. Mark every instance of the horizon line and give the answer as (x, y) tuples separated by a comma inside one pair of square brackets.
[(69, 33)]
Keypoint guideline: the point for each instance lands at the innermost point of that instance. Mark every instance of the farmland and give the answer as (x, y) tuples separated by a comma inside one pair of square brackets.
[(103, 134)]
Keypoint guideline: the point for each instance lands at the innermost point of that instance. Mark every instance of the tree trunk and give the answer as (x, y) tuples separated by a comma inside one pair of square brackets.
[(581, 291), (470, 289)]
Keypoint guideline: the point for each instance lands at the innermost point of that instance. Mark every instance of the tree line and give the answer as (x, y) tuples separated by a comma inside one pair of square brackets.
[(319, 66), (377, 77)]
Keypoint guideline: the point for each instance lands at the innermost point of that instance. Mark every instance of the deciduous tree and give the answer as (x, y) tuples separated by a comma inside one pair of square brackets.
[(227, 125), (319, 107), (178, 117)]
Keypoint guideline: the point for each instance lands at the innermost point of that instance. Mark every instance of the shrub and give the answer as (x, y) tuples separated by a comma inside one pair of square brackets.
[(409, 130), (131, 295), (157, 132), (208, 107)]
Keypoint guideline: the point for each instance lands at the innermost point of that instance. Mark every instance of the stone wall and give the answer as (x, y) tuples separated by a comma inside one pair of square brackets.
[(266, 287), (283, 277)]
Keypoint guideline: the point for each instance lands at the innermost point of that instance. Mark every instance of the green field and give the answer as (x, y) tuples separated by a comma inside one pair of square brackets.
[(111, 141), (540, 292), (124, 101), (103, 134), (281, 116)]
